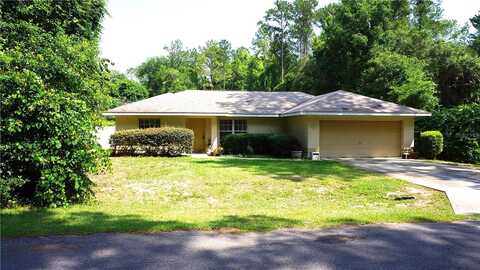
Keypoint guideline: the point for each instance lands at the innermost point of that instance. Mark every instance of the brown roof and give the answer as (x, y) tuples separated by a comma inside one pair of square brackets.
[(256, 103), (347, 103), (217, 103)]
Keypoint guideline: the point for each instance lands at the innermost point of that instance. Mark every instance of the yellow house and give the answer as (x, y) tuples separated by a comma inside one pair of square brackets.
[(337, 124)]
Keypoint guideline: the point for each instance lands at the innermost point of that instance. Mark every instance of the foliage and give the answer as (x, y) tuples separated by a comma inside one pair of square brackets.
[(400, 79), (460, 129), (124, 90), (52, 87), (277, 145), (165, 141), (475, 37), (430, 144), (457, 73)]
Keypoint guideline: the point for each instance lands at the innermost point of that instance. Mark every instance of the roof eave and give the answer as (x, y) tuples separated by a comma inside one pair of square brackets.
[(353, 114), (188, 114)]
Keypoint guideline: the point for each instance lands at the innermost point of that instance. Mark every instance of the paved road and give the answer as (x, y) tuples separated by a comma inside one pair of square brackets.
[(391, 246), (461, 184)]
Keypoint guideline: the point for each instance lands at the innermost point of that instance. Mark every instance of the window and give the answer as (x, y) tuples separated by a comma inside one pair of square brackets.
[(232, 127), (148, 123)]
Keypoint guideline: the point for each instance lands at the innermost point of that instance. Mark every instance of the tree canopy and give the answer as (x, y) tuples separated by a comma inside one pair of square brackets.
[(53, 86)]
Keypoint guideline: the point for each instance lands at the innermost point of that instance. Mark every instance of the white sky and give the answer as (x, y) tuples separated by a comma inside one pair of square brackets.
[(138, 29)]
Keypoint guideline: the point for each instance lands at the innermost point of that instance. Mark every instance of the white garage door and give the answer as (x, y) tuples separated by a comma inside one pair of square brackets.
[(360, 138)]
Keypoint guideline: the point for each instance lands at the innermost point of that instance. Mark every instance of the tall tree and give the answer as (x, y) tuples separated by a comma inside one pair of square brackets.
[(275, 28), (475, 37), (304, 17), (217, 56)]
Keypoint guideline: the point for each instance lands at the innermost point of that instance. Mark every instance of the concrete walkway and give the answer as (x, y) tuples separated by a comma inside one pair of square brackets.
[(389, 246), (461, 184)]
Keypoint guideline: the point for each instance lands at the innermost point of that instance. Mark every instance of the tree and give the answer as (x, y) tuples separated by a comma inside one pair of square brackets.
[(475, 37), (275, 29), (124, 90), (457, 73), (400, 79), (304, 18), (217, 56), (52, 89)]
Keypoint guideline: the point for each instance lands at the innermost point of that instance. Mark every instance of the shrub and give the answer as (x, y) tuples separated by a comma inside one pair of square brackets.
[(278, 145), (430, 144), (460, 127), (165, 141)]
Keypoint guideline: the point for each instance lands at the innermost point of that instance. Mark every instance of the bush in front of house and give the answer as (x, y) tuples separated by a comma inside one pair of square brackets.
[(165, 141), (430, 144), (460, 127), (278, 145)]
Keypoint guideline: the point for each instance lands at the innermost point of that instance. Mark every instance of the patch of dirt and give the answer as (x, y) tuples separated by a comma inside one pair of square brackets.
[(228, 230), (412, 190), (212, 200), (140, 188)]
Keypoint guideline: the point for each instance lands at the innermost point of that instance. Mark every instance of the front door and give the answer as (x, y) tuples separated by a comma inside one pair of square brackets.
[(198, 127)]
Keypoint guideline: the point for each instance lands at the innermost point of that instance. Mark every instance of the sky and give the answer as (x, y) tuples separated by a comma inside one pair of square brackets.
[(137, 29)]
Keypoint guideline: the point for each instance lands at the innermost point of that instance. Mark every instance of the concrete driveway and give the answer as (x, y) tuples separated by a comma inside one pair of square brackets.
[(461, 184), (389, 246)]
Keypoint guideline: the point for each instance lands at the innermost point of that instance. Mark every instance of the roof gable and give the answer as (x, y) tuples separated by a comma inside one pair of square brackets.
[(346, 103)]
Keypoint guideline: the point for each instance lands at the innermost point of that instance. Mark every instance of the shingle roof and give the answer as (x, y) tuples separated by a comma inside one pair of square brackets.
[(347, 103), (255, 103), (216, 103)]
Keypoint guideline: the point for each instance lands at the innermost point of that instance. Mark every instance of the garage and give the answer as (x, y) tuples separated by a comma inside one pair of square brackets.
[(360, 138)]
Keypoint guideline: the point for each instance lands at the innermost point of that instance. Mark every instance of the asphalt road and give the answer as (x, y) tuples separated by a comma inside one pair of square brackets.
[(390, 246)]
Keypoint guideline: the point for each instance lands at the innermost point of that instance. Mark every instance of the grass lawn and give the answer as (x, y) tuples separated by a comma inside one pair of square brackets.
[(467, 165), (164, 194)]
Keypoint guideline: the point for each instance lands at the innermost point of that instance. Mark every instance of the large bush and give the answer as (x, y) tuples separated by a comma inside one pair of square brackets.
[(165, 141), (460, 127), (430, 144), (278, 145), (52, 89)]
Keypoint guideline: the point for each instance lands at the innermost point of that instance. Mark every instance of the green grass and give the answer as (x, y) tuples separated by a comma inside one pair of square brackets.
[(467, 165), (165, 194)]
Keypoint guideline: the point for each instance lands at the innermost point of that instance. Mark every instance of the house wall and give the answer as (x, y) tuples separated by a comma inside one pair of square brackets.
[(307, 129), (131, 122)]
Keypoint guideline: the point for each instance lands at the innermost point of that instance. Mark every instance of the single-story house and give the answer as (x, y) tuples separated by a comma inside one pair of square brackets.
[(336, 124)]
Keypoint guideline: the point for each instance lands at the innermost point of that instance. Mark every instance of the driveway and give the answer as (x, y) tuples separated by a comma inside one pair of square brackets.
[(461, 184), (389, 246)]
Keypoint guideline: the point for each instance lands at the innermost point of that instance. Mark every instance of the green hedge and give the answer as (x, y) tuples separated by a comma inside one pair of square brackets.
[(166, 141), (430, 144), (277, 145), (460, 127)]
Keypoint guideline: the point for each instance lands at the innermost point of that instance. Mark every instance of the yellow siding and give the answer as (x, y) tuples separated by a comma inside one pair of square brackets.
[(265, 125), (298, 127), (131, 122)]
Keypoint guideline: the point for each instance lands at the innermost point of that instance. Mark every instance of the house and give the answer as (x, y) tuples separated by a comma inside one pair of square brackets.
[(337, 124)]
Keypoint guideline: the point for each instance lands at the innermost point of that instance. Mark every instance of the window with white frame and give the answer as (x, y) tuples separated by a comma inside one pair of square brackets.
[(148, 123), (232, 127)]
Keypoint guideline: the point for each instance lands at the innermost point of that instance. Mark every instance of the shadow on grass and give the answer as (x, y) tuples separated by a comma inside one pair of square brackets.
[(40, 222), (293, 170)]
